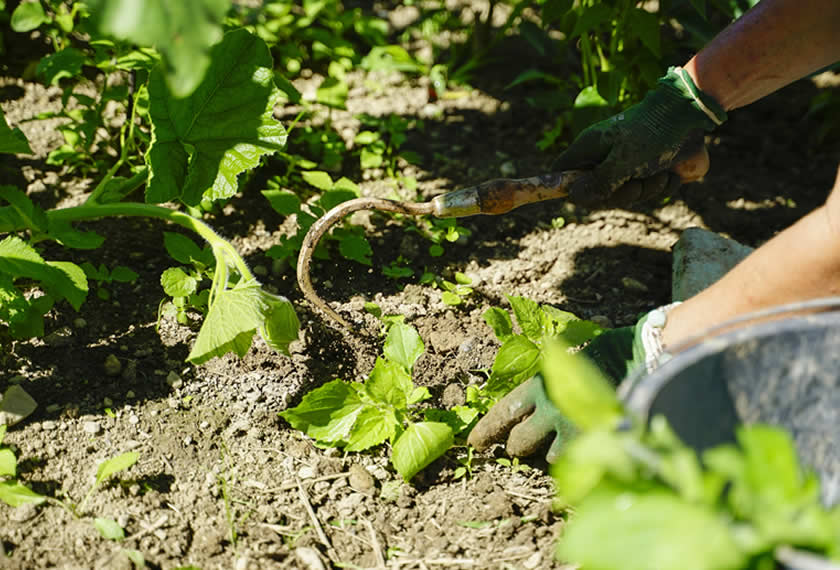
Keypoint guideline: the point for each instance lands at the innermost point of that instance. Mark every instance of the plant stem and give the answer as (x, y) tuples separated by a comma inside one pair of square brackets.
[(134, 209)]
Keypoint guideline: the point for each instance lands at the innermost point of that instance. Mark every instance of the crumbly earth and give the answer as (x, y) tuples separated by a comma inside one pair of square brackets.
[(222, 481)]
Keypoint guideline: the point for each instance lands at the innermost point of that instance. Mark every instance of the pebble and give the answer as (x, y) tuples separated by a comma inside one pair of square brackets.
[(602, 321), (112, 365), (16, 405), (129, 373), (260, 270), (632, 284), (204, 424), (133, 419), (174, 380), (107, 401), (309, 559), (532, 561), (79, 323), (360, 479), (130, 394), (91, 427), (307, 472), (23, 513), (508, 169), (52, 408), (49, 425)]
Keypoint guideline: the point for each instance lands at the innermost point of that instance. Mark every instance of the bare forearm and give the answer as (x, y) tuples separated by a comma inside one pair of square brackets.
[(802, 262), (772, 45)]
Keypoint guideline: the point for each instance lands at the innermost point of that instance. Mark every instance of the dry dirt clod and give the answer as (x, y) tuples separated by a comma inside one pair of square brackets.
[(360, 479), (112, 365)]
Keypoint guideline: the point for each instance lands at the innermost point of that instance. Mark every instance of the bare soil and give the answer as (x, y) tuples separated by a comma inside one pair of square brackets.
[(222, 481)]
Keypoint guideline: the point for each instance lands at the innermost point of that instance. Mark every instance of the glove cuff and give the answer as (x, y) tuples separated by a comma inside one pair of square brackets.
[(649, 332), (678, 78)]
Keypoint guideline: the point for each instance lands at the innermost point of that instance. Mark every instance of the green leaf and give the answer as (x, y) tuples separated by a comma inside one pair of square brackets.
[(528, 316), (327, 413), (419, 445), (458, 418), (16, 494), (284, 202), (389, 383), (18, 259), (518, 359), (68, 236), (346, 185), (591, 18), (28, 16), (201, 143), (136, 557), (185, 250), (370, 158), (22, 212), (282, 326), (332, 93), (123, 274), (590, 458), (176, 282), (115, 465), (579, 389), (450, 298), (403, 345), (65, 63), (182, 31), (12, 141), (589, 97), (317, 178), (8, 463), (418, 394), (109, 528), (366, 137), (391, 58), (372, 427), (499, 320), (231, 322), (651, 530), (645, 26)]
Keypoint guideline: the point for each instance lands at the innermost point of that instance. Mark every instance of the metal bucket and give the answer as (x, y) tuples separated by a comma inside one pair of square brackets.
[(778, 367)]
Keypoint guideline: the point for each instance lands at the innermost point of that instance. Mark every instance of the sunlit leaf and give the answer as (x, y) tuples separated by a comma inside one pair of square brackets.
[(201, 143), (115, 465), (403, 345), (12, 141), (419, 445)]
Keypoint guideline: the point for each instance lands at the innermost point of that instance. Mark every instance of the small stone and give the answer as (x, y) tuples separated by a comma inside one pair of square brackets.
[(307, 472), (60, 337), (91, 427), (360, 479), (309, 559), (508, 169), (130, 394), (133, 419), (23, 513), (16, 405), (112, 365), (204, 425), (79, 323), (188, 440), (107, 402), (260, 270), (174, 380), (632, 284), (53, 408), (532, 561), (48, 425), (602, 321)]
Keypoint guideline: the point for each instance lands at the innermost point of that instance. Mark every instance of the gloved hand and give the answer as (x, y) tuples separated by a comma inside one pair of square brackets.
[(647, 150), (529, 418)]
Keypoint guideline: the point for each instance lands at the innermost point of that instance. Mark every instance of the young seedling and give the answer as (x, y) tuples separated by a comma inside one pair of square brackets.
[(105, 470), (13, 492), (358, 416)]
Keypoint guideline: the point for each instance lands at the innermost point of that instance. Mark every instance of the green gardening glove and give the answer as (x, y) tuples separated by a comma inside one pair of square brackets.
[(646, 150), (527, 416)]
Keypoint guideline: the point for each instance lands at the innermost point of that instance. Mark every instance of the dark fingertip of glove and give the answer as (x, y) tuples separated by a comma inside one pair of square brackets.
[(589, 191), (529, 436)]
